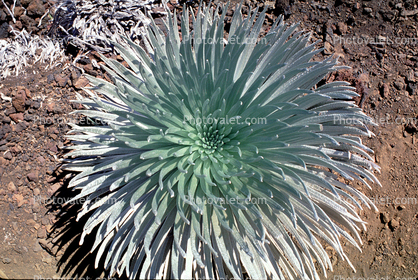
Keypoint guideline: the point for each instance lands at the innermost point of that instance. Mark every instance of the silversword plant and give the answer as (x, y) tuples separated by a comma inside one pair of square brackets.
[(171, 197)]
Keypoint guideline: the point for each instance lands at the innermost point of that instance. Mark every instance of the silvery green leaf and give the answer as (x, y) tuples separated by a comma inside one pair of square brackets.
[(180, 181)]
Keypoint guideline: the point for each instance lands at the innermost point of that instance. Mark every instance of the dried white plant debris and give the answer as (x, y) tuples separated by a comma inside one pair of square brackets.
[(88, 24), (24, 49)]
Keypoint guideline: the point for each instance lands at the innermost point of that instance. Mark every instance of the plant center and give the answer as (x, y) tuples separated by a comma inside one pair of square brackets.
[(211, 139)]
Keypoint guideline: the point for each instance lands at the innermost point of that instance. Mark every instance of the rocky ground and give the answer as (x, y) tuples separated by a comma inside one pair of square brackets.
[(377, 39)]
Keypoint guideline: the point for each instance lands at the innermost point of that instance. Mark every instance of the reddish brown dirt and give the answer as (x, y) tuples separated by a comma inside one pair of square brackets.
[(377, 39)]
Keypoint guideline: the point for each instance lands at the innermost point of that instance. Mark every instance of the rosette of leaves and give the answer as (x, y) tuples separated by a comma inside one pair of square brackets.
[(175, 189)]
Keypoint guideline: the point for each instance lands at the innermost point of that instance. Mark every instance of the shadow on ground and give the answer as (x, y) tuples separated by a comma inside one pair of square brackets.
[(76, 261)]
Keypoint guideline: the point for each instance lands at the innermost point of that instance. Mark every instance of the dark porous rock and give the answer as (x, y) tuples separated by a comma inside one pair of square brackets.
[(52, 147), (411, 128), (342, 28), (25, 158), (61, 80), (42, 233), (18, 101), (19, 11), (8, 155), (21, 126), (4, 30), (399, 85), (27, 21), (29, 117), (387, 15), (412, 88), (50, 170), (41, 160), (89, 70), (75, 75), (5, 129), (9, 111), (6, 120), (384, 90), (36, 207), (367, 10), (393, 224), (18, 25), (384, 218), (282, 7), (17, 117), (33, 176), (25, 3), (35, 9), (50, 78), (2, 16), (35, 105), (84, 60), (81, 82)]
